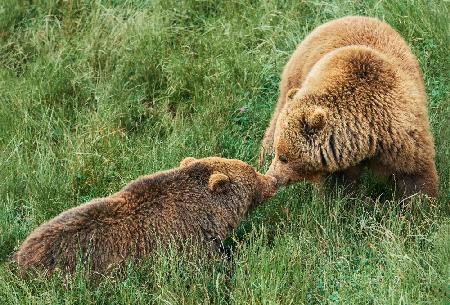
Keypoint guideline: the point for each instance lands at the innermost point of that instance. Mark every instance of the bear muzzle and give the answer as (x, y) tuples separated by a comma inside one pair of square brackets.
[(267, 186)]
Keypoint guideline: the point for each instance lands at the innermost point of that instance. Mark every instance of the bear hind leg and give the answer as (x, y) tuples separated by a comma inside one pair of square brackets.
[(407, 184), (410, 184)]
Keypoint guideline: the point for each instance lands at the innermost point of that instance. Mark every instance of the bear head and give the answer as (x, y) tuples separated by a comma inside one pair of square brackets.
[(304, 124), (235, 177)]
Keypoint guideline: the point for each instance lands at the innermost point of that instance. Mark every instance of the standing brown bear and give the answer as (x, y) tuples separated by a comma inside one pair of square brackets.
[(201, 201), (352, 95)]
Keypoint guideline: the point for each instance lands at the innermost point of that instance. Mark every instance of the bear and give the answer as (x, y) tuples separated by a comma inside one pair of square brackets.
[(201, 201), (352, 96)]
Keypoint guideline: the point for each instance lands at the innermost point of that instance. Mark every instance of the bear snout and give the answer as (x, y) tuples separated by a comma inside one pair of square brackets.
[(273, 183), (267, 186), (274, 180), (278, 179)]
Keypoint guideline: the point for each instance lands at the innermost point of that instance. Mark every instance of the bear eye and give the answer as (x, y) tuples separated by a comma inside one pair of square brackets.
[(283, 158)]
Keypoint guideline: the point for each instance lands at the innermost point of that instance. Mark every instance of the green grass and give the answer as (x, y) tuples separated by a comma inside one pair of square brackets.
[(96, 93)]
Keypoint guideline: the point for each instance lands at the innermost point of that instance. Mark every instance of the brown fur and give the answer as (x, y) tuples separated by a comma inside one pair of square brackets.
[(352, 94), (201, 201)]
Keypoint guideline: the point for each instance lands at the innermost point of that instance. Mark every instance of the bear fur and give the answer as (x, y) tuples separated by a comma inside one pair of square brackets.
[(201, 202), (352, 95)]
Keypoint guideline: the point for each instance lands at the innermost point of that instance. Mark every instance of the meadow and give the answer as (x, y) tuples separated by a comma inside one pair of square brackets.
[(95, 93)]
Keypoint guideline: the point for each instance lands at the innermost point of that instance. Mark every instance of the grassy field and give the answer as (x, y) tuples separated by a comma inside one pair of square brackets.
[(96, 93)]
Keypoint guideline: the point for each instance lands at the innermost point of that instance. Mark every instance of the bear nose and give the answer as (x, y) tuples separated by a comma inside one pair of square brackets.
[(273, 181)]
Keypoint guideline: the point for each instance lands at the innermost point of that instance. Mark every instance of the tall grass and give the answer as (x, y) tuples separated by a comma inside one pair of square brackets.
[(96, 93)]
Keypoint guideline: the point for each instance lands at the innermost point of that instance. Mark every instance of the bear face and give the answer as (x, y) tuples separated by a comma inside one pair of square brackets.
[(301, 130), (200, 202), (230, 174)]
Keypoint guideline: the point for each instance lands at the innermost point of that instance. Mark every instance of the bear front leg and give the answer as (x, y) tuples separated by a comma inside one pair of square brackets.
[(348, 178), (267, 141)]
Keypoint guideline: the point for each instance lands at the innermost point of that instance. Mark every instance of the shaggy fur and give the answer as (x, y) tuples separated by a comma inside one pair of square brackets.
[(352, 95), (201, 201)]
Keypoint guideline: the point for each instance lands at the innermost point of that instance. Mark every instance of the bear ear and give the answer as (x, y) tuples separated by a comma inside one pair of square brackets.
[(317, 118), (187, 161), (290, 94), (217, 182)]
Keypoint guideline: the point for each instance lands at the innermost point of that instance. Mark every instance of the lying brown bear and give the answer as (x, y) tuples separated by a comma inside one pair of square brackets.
[(201, 201), (352, 95)]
